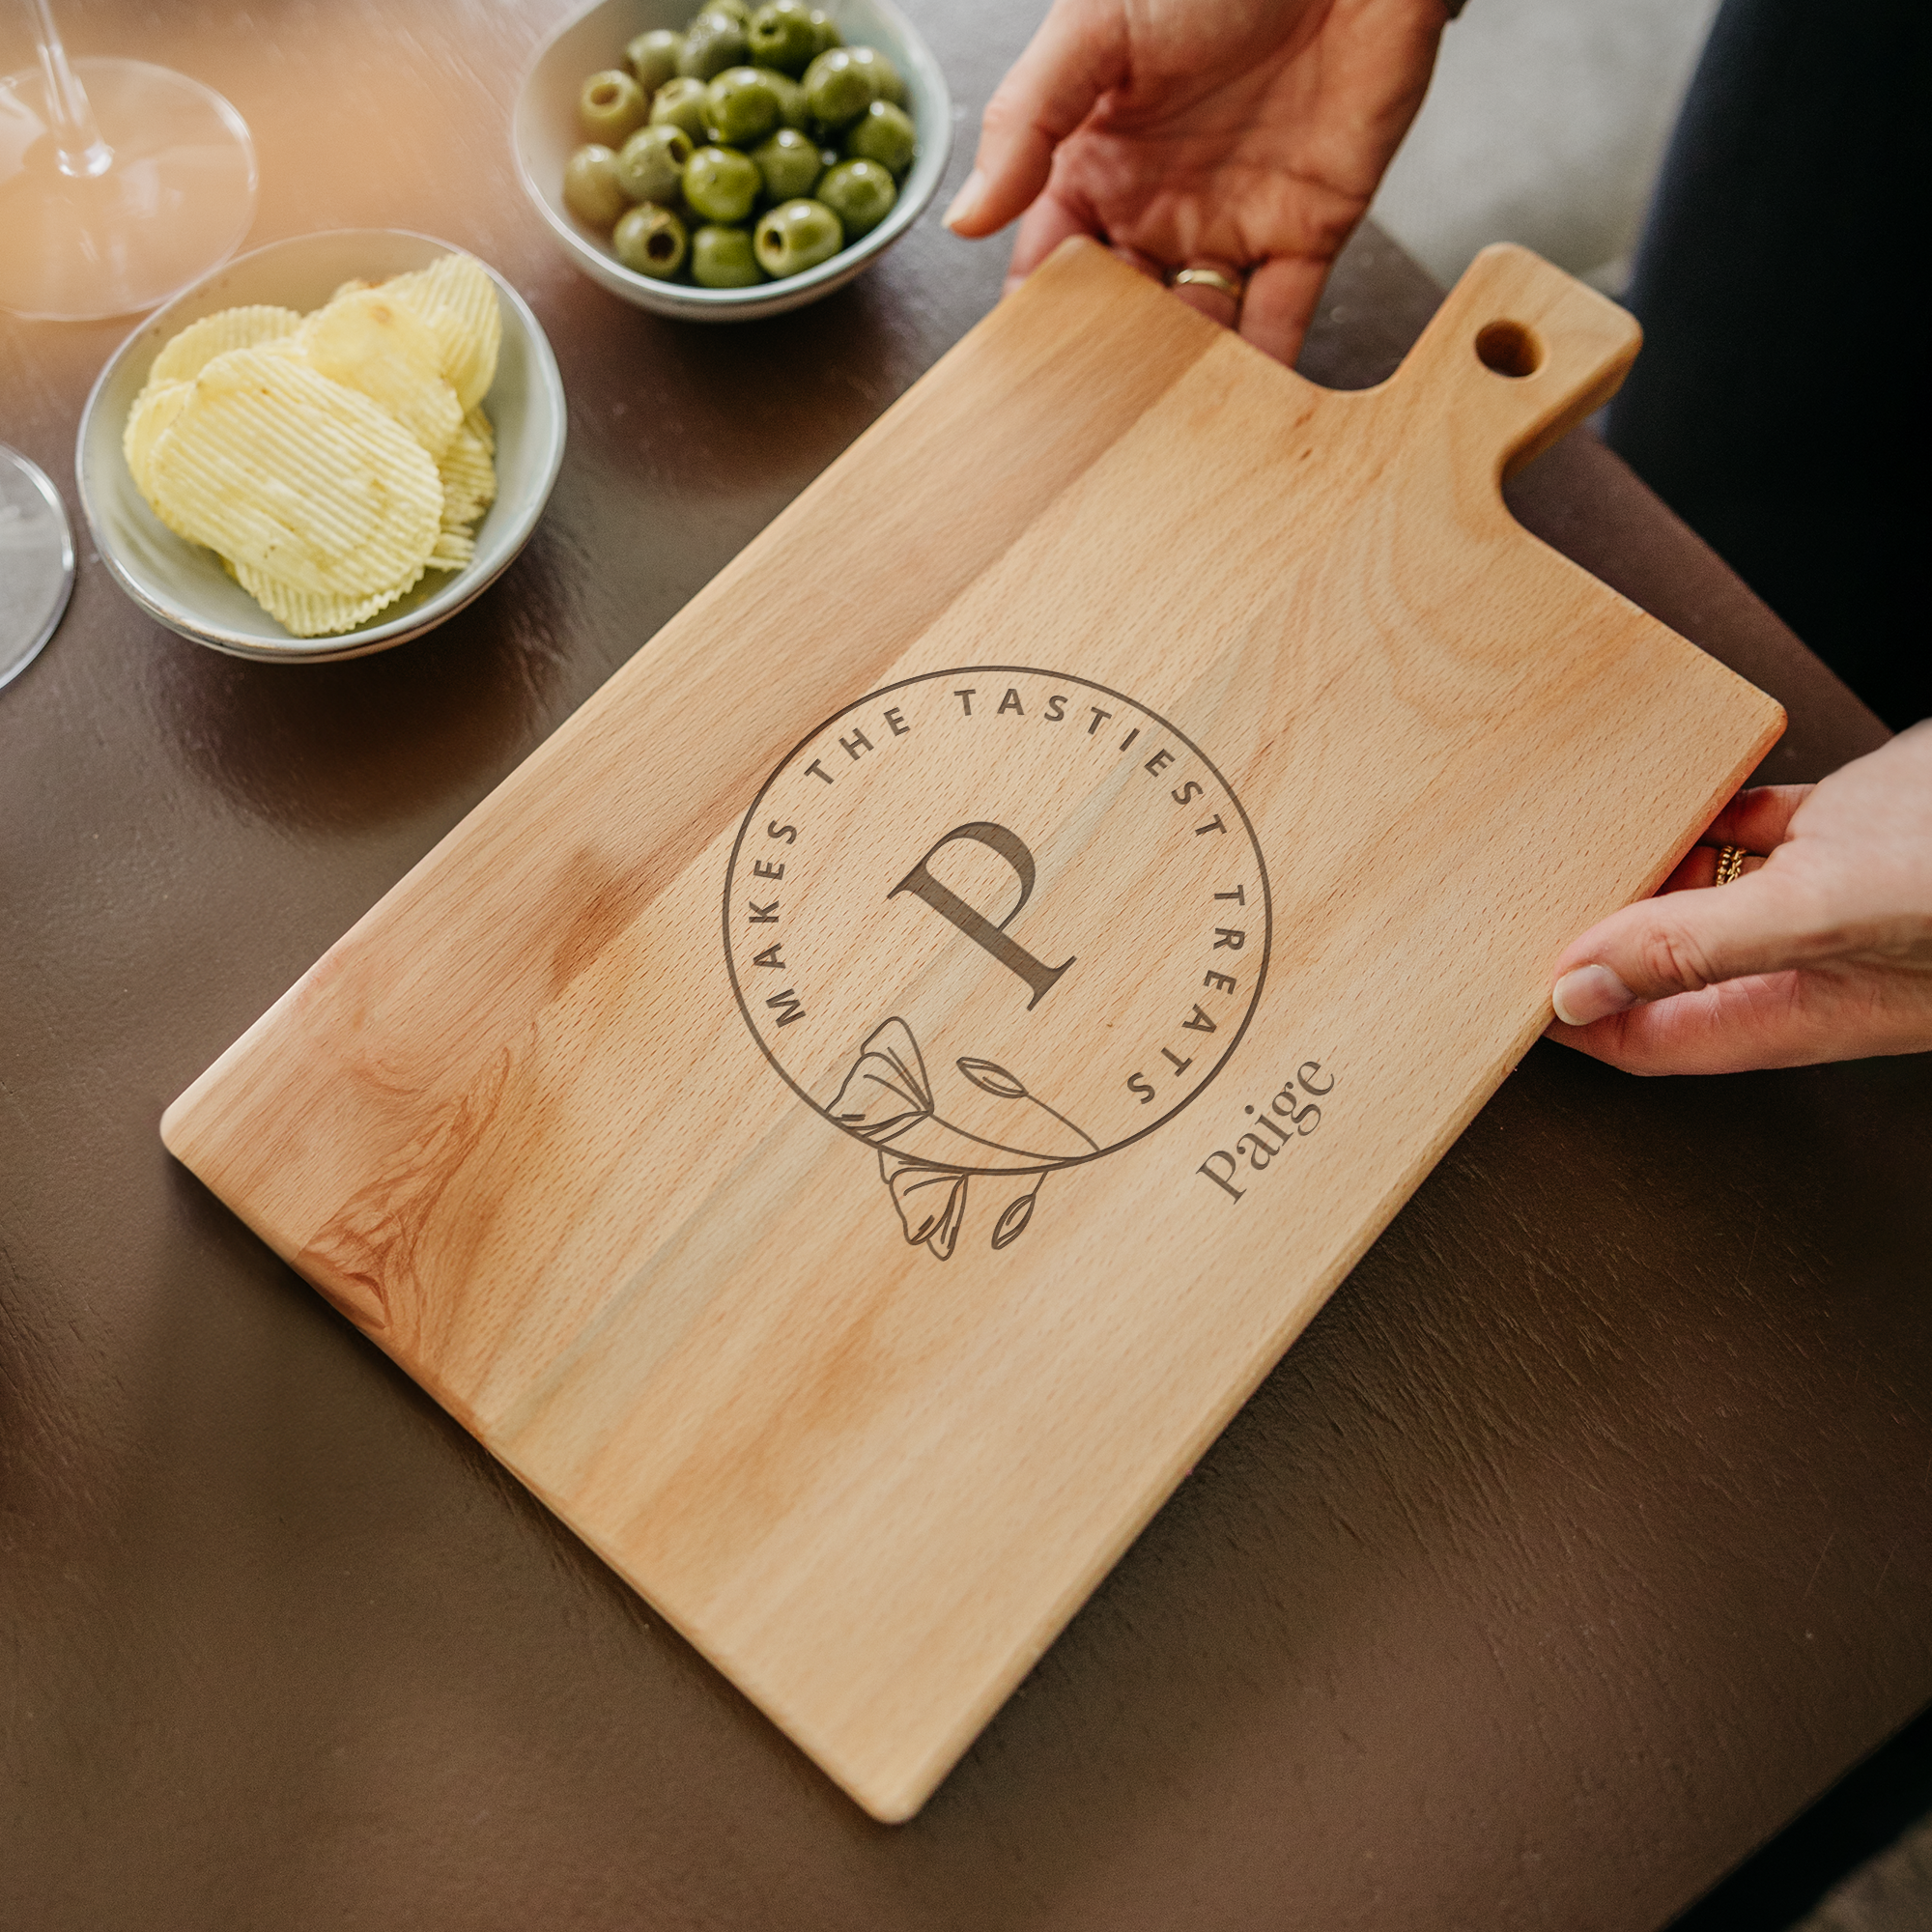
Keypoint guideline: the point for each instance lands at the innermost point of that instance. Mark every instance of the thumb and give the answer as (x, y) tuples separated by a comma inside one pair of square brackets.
[(1078, 53), (1678, 944)]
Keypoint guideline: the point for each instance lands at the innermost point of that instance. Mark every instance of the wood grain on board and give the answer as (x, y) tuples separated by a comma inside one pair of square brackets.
[(853, 1115)]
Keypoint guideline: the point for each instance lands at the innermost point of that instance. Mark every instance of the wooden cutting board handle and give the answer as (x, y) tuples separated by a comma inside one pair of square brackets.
[(1519, 354)]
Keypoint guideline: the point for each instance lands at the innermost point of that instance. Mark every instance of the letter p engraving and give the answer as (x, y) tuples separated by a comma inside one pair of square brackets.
[(975, 924)]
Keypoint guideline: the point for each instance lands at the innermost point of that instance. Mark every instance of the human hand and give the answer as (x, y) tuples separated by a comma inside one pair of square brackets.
[(1245, 136), (1823, 951)]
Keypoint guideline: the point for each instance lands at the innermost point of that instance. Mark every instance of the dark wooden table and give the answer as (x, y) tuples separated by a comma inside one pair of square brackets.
[(1581, 1540)]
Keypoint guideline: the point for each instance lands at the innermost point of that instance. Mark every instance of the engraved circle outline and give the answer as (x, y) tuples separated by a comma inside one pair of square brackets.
[(779, 770)]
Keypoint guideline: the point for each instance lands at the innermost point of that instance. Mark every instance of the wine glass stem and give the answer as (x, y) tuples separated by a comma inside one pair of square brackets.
[(77, 139)]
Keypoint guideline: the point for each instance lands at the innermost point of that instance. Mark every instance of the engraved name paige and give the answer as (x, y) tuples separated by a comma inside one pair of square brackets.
[(1292, 1115)]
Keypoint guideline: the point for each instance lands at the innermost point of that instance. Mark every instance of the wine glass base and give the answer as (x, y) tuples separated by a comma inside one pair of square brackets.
[(175, 203), (36, 561)]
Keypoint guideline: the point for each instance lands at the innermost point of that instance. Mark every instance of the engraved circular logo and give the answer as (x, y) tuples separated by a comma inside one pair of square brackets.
[(994, 922)]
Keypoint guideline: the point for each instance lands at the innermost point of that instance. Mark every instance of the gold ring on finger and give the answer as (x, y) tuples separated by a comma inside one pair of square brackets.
[(1208, 278), (1730, 863)]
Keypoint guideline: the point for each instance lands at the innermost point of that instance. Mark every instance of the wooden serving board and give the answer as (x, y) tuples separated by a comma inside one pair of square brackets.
[(853, 1116)]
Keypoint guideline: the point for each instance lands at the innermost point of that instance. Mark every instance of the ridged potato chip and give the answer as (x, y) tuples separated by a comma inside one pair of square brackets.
[(469, 479), (303, 614), (458, 299), (455, 549), (154, 409), (185, 355), (375, 343), (295, 477)]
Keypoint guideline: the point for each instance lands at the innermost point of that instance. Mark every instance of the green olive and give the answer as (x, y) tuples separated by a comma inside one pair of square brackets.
[(723, 258), (741, 107), (823, 25), (653, 58), (792, 110), (837, 88), (721, 183), (650, 239), (680, 104), (796, 236), (883, 134), (886, 82), (590, 186), (739, 10), (782, 36), (860, 193), (610, 104), (789, 163), (651, 164), (712, 43)]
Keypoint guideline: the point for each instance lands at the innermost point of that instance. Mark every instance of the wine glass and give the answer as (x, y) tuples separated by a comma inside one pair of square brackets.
[(120, 184), (36, 561)]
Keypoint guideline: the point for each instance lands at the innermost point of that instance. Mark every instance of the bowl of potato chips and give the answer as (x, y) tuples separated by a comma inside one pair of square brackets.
[(327, 447)]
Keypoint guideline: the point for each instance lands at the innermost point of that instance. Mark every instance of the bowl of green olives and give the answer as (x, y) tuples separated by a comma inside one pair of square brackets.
[(735, 161)]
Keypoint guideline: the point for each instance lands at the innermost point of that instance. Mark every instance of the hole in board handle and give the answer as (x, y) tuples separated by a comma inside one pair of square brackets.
[(1509, 349)]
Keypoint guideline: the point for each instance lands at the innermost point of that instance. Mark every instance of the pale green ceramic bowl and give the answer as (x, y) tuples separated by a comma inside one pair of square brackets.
[(545, 134)]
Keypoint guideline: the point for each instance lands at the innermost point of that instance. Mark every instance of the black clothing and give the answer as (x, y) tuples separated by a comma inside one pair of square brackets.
[(1777, 404)]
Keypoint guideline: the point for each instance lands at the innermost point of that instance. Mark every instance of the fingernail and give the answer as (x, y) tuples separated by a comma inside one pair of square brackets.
[(966, 203), (1590, 993)]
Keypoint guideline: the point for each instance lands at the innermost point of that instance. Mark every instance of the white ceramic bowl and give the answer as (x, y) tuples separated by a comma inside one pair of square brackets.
[(182, 585), (545, 134)]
